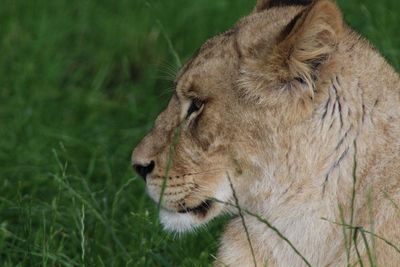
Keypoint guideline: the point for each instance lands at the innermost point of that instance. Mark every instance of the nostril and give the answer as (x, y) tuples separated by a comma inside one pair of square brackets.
[(143, 170)]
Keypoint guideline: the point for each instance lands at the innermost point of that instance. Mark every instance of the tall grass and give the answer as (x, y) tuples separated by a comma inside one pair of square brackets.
[(80, 85)]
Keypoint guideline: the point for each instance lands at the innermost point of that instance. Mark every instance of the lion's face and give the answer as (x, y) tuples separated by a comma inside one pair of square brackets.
[(192, 139), (224, 119)]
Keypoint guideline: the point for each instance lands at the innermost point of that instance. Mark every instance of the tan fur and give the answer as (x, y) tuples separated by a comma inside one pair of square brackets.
[(294, 103)]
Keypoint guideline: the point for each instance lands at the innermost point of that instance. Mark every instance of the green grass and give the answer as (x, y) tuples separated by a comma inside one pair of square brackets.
[(80, 84)]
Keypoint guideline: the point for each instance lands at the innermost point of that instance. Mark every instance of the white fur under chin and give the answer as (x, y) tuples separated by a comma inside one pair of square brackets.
[(186, 222), (178, 222)]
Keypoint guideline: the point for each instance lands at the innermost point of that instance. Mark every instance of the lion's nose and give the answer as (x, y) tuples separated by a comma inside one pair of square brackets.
[(144, 170)]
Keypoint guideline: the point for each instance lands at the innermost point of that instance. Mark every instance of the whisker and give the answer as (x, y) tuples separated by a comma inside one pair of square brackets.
[(197, 173), (190, 173)]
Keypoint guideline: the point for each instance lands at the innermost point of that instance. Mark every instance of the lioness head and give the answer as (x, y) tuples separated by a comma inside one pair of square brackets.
[(238, 108)]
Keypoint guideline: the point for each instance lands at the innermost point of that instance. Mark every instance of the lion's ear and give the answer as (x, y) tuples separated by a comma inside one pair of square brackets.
[(300, 54), (265, 4), (309, 43)]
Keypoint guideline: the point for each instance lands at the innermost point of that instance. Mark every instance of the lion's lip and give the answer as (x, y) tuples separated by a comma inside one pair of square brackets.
[(201, 209)]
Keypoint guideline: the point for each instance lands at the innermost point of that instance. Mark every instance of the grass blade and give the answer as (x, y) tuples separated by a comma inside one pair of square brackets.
[(273, 228), (242, 219)]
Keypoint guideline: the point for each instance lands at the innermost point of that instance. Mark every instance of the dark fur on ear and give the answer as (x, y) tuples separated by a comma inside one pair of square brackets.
[(265, 4)]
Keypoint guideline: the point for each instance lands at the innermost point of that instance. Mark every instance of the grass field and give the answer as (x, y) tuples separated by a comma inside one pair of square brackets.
[(80, 84)]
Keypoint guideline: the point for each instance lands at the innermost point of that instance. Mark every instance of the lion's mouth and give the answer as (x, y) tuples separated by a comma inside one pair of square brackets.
[(201, 209)]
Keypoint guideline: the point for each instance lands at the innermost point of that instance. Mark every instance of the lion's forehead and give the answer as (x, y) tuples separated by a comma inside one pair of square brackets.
[(225, 48), (216, 52)]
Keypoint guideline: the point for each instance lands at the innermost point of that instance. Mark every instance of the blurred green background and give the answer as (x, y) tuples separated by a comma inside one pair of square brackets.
[(80, 84)]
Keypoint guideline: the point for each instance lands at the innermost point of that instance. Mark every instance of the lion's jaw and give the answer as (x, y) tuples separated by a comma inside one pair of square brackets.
[(186, 221)]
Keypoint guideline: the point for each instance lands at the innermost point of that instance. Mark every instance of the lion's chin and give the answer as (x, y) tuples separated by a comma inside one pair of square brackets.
[(181, 222), (188, 219)]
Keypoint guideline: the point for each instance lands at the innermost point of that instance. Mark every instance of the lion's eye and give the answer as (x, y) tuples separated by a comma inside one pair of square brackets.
[(195, 106)]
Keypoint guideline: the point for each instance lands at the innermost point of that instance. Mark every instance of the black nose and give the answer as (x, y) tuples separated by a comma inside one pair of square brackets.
[(143, 170)]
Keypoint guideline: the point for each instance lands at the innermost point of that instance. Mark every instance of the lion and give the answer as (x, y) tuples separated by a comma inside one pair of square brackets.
[(290, 120)]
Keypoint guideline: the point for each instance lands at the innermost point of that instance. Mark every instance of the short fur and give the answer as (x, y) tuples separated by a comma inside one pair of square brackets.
[(295, 106)]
